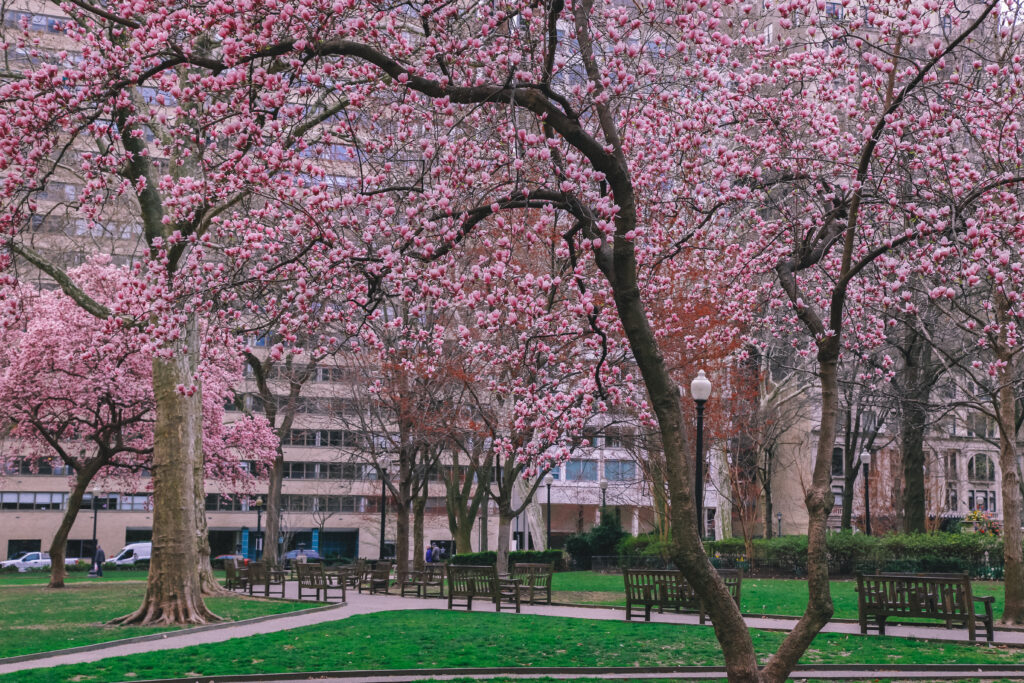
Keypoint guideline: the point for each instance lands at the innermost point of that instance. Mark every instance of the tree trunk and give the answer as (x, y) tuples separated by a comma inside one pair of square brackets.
[(273, 525), (819, 501), (60, 539), (208, 583), (849, 480), (402, 536), (915, 381), (174, 589), (419, 550), (663, 394), (913, 418), (1013, 558), (504, 534), (766, 487)]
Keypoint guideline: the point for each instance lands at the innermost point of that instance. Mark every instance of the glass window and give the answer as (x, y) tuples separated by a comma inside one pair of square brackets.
[(981, 468), (952, 501), (620, 470), (837, 462), (581, 470)]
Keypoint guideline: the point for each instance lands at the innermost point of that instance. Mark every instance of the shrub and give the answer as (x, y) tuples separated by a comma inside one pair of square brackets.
[(601, 541), (490, 557)]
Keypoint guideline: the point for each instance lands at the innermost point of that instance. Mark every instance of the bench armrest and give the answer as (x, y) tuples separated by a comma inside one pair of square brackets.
[(985, 598)]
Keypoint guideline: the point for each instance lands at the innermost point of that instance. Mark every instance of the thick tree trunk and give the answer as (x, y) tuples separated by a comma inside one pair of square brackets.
[(60, 540), (915, 381), (769, 520), (913, 419), (1006, 375), (174, 590), (402, 537), (504, 539), (273, 526), (418, 546)]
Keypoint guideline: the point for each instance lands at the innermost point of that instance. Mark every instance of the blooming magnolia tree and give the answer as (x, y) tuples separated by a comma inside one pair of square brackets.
[(638, 130), (79, 389)]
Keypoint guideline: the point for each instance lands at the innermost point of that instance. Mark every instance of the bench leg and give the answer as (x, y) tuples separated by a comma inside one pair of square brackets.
[(647, 612), (881, 626)]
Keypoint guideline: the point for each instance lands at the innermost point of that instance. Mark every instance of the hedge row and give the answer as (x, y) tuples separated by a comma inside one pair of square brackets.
[(980, 554), (491, 557)]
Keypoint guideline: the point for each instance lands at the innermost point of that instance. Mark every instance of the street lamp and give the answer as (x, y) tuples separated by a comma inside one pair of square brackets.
[(865, 460), (778, 516), (548, 480), (700, 389), (604, 492), (384, 474), (258, 504)]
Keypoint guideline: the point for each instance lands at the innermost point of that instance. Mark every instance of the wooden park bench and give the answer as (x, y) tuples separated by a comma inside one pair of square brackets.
[(313, 578), (421, 583), (267, 577), (237, 577), (667, 589), (377, 578), (466, 582), (535, 581), (942, 597)]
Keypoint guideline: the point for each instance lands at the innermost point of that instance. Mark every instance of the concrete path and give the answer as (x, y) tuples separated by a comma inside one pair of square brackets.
[(367, 604)]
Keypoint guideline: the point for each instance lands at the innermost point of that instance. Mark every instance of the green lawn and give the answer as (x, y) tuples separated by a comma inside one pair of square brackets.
[(437, 638), (38, 619), (33, 578), (758, 596)]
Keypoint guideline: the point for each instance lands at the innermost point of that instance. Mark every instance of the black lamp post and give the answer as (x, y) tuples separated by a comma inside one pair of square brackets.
[(778, 516), (700, 389), (548, 480), (258, 504), (386, 466), (604, 492), (865, 460)]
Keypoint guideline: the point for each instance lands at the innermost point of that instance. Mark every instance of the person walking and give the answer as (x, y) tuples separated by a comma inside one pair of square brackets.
[(97, 560)]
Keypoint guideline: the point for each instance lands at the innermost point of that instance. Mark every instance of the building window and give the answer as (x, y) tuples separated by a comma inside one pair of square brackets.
[(952, 465), (981, 500), (837, 493), (834, 11), (981, 468), (980, 426), (581, 470), (947, 23), (837, 462), (952, 501), (620, 470)]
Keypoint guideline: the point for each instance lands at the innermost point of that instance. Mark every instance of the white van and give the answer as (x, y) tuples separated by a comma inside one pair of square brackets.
[(134, 553)]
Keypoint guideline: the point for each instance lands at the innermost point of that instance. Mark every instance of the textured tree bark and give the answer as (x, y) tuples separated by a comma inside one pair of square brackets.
[(914, 381), (419, 550), (60, 540), (273, 521), (504, 532), (402, 536), (174, 590), (1006, 375), (209, 584)]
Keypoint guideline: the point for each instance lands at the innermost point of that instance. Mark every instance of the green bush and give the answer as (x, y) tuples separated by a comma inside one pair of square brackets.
[(602, 540), (486, 557)]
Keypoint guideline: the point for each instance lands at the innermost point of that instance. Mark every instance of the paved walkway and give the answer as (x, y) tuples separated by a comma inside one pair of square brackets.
[(367, 604)]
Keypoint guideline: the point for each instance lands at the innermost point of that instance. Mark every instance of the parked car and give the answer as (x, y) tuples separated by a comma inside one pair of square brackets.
[(134, 553), (289, 557), (33, 560)]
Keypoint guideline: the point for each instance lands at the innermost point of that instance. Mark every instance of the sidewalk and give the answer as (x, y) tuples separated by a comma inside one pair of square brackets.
[(367, 604)]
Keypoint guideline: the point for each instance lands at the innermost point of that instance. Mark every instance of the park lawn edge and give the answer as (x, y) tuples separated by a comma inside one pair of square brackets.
[(438, 639)]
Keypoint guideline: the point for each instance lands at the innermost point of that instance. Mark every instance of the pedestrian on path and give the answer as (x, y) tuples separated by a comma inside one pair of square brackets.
[(97, 561)]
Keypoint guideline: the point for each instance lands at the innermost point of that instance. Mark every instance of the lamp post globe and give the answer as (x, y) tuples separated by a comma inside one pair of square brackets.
[(700, 390)]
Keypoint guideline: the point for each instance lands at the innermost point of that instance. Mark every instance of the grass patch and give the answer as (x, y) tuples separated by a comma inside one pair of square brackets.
[(43, 578), (38, 619), (437, 638), (758, 596)]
